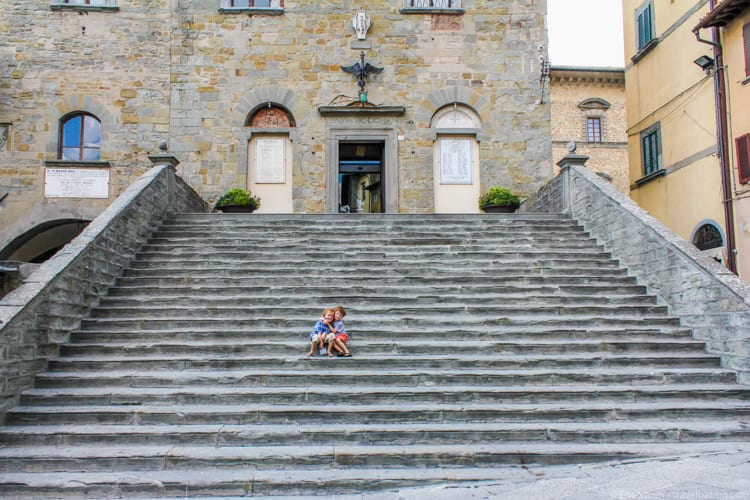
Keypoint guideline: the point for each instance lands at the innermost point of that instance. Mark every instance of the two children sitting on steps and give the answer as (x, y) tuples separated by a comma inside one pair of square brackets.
[(330, 331)]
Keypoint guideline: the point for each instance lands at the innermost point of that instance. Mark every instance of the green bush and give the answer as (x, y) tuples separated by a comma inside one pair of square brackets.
[(237, 196), (499, 196)]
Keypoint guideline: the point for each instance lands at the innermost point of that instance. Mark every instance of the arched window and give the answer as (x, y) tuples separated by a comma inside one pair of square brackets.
[(707, 237), (81, 137)]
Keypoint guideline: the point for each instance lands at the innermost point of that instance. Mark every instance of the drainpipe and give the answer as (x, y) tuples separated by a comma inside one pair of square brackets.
[(722, 140)]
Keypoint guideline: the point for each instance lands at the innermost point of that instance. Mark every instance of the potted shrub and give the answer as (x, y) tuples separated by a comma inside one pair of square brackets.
[(499, 200), (237, 200)]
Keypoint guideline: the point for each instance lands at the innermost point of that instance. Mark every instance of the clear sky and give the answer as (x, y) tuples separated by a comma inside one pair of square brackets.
[(585, 33)]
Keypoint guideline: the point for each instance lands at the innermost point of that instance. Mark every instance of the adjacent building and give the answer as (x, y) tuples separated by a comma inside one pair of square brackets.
[(397, 106), (726, 28), (674, 154), (588, 110)]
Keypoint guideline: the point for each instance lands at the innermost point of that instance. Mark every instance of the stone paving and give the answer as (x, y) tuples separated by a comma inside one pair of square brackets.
[(722, 475)]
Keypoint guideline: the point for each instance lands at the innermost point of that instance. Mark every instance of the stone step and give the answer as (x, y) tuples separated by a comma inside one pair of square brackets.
[(530, 292), (347, 369), (310, 300), (380, 220), (486, 246), (81, 397), (325, 221), (434, 229), (434, 312), (377, 274), (276, 350), (355, 262), (398, 326), (232, 333), (374, 433), (243, 482), (310, 458), (536, 277), (372, 360), (290, 240), (422, 413)]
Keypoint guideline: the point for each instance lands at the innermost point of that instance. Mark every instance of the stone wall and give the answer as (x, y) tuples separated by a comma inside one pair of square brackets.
[(706, 296), (191, 73), (114, 64), (40, 314)]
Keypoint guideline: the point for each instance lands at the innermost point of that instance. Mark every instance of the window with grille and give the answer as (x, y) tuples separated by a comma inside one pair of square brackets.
[(707, 237), (743, 158), (433, 4), (644, 22), (594, 129), (651, 150), (81, 137), (86, 3), (252, 4)]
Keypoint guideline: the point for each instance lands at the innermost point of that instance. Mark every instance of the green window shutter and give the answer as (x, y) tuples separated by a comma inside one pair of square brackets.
[(644, 22)]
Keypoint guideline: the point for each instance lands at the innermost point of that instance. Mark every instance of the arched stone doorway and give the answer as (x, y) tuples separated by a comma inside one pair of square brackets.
[(43, 241)]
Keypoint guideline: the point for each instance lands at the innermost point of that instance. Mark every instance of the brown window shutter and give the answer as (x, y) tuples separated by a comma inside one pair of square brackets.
[(746, 40), (743, 158)]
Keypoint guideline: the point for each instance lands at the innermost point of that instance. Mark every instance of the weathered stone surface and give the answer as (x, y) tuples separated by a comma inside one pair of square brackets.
[(705, 295), (40, 313), (190, 74)]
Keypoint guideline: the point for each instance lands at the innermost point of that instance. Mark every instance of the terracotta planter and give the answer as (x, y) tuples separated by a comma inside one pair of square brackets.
[(237, 209), (499, 209)]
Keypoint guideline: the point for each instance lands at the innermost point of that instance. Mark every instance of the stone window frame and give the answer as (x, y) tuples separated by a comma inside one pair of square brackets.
[(465, 128), (82, 139), (450, 7), (275, 8), (594, 107), (104, 6)]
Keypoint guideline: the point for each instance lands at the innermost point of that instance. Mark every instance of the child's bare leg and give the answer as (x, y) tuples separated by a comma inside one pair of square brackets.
[(341, 347), (312, 348)]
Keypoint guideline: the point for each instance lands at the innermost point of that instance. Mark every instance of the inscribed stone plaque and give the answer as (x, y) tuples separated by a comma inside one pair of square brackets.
[(455, 161), (269, 160), (76, 183)]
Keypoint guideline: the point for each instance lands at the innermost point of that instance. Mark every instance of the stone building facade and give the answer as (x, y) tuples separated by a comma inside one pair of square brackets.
[(252, 94), (588, 108)]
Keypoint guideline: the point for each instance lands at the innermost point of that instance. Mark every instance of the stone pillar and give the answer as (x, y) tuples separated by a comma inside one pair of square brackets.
[(169, 161), (565, 163)]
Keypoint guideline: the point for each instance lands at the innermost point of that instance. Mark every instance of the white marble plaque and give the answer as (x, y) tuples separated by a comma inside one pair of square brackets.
[(76, 183), (270, 165), (455, 161)]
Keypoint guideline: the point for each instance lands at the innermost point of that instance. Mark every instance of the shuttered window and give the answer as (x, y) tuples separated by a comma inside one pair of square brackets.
[(743, 158), (644, 21), (650, 150), (746, 39)]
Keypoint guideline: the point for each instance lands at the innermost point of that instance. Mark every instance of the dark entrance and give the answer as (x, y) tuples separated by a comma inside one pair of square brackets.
[(361, 177)]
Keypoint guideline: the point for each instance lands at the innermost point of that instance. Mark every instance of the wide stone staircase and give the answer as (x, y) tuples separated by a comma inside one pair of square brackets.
[(479, 343)]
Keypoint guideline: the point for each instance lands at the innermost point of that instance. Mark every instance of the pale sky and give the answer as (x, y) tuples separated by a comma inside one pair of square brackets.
[(585, 33)]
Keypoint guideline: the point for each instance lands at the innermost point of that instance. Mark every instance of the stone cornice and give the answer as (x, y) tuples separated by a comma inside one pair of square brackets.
[(357, 110), (582, 75)]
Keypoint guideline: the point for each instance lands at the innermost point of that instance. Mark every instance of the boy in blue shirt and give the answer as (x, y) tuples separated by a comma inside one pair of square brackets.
[(322, 331)]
